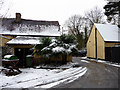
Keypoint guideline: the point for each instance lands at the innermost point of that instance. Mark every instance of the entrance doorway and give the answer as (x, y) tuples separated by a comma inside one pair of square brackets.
[(21, 53), (112, 54)]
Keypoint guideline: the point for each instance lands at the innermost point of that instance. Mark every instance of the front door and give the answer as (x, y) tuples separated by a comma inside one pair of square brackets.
[(21, 53)]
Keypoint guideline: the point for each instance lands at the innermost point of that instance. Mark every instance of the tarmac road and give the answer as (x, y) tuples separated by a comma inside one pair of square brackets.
[(98, 76)]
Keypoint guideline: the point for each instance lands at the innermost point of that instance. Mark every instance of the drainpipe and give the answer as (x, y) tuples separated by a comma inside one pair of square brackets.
[(119, 20), (119, 15), (96, 42), (1, 50)]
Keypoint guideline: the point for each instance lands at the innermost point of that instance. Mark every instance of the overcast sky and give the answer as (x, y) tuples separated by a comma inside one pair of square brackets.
[(53, 10)]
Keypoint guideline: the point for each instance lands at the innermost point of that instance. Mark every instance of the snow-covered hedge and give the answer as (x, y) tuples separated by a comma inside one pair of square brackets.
[(63, 45)]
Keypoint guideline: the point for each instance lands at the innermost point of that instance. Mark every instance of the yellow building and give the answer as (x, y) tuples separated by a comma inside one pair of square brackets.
[(4, 39), (22, 34), (103, 39), (4, 48)]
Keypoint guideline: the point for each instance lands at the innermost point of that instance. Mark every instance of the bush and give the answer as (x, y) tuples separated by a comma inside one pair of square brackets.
[(61, 46), (66, 39), (46, 41)]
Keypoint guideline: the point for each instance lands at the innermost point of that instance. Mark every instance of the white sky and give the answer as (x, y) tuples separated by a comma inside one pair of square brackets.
[(54, 10)]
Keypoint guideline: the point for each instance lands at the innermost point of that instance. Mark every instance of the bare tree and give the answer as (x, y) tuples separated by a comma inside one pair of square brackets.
[(96, 15), (76, 25), (4, 9), (6, 48), (1, 3)]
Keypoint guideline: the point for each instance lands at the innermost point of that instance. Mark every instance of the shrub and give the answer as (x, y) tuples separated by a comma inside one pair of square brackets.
[(46, 41), (66, 39), (63, 45)]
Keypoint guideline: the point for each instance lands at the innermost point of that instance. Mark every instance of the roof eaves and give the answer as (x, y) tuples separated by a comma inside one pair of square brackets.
[(112, 41), (32, 35)]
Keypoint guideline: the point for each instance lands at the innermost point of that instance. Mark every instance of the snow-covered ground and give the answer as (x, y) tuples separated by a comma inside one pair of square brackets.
[(85, 61), (53, 66), (41, 78), (105, 62)]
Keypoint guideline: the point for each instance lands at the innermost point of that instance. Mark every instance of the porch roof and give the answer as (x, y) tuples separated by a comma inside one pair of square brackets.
[(25, 40)]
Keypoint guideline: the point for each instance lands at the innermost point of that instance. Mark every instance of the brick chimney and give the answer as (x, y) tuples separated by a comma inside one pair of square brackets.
[(18, 17)]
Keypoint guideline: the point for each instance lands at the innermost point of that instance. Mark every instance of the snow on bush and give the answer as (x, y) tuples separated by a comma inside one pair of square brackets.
[(72, 46), (68, 51), (64, 44), (45, 49), (53, 44), (58, 49)]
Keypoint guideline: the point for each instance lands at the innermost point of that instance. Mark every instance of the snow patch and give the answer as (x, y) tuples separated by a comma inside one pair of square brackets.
[(72, 46), (58, 49), (67, 80), (8, 56), (45, 48), (116, 65), (101, 61), (45, 78), (85, 61), (66, 66), (84, 57), (106, 62)]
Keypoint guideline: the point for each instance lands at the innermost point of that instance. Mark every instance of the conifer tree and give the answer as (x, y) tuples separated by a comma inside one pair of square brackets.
[(112, 11)]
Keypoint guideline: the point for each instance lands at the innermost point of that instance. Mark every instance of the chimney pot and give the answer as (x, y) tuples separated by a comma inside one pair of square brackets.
[(18, 17)]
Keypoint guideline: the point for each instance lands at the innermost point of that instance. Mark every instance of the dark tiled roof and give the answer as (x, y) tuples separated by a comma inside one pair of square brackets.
[(9, 26), (9, 21)]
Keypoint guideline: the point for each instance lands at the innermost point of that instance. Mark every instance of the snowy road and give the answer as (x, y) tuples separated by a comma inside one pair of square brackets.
[(98, 76)]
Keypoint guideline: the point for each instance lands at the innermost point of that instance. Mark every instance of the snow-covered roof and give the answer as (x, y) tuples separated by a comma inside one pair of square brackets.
[(29, 27), (25, 40), (5, 37), (109, 32)]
